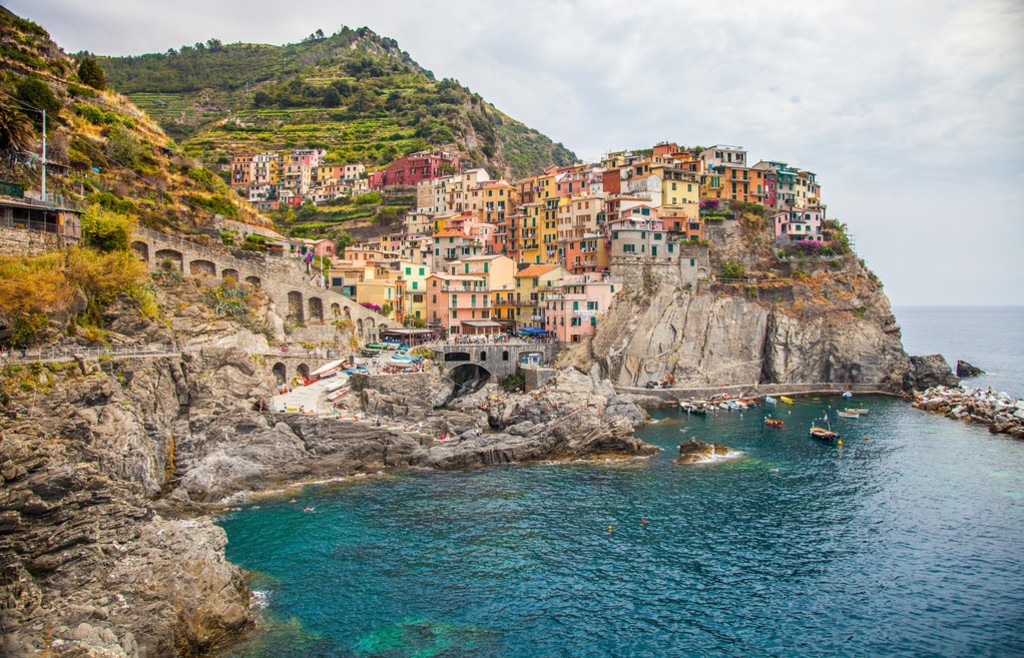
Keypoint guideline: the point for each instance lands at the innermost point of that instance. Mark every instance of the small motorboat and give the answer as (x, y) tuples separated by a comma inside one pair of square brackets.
[(770, 400), (772, 422), (847, 414), (785, 399), (860, 411)]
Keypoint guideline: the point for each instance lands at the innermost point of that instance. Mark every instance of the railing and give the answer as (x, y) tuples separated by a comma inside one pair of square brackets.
[(51, 354)]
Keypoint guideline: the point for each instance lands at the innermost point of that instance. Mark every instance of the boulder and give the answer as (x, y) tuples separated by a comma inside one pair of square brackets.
[(694, 451), (964, 369), (928, 371)]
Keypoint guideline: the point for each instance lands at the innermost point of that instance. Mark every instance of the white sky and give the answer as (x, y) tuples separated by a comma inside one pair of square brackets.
[(911, 113)]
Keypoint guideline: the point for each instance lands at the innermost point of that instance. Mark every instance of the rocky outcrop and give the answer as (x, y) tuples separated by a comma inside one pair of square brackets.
[(696, 452), (928, 371), (964, 369), (707, 340)]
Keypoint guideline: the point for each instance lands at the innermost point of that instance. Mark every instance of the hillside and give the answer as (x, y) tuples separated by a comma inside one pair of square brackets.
[(100, 149), (354, 93)]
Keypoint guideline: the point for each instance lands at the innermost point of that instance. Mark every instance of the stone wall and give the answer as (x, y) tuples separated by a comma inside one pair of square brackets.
[(21, 242), (684, 271)]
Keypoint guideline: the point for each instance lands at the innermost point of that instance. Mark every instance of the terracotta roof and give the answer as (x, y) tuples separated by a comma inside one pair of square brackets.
[(536, 270)]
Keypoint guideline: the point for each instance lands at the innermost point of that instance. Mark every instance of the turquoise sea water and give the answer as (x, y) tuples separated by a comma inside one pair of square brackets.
[(908, 540)]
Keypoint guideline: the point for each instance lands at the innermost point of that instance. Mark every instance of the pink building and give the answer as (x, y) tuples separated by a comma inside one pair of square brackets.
[(572, 314), (798, 224), (452, 299)]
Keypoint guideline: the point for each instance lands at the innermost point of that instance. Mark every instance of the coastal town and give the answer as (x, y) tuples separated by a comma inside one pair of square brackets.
[(545, 254)]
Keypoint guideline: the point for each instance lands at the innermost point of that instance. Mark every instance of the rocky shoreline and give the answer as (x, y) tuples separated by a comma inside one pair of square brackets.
[(109, 471), (999, 411)]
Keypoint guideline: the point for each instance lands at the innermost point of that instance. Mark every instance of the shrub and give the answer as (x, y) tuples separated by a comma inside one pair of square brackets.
[(733, 270), (35, 92), (106, 231)]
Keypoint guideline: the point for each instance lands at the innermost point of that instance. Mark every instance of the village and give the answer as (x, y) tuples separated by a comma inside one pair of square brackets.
[(544, 255)]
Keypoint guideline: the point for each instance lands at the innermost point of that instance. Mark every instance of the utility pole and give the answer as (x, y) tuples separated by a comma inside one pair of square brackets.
[(44, 156)]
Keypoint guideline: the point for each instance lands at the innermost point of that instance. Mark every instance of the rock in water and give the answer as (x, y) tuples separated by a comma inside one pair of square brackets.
[(964, 369), (694, 451), (928, 371)]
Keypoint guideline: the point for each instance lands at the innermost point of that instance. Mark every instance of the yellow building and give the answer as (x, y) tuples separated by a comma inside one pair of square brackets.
[(532, 284), (414, 275)]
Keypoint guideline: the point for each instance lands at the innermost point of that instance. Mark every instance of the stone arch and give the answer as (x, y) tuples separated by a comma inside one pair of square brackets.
[(451, 357), (335, 310), (280, 372), (359, 327), (504, 355), (370, 322), (348, 314), (172, 256), (295, 315), (316, 309), (200, 267), (141, 250), (229, 272), (302, 370), (253, 281), (483, 355), (465, 374)]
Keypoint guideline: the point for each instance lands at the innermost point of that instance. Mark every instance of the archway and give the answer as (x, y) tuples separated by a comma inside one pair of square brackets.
[(348, 314), (469, 378), (253, 281), (316, 309), (335, 310), (295, 315), (141, 250), (303, 370), (202, 267), (280, 372), (359, 327), (170, 258), (457, 356), (229, 272)]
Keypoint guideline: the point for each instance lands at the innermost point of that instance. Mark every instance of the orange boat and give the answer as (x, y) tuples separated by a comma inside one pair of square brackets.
[(771, 422)]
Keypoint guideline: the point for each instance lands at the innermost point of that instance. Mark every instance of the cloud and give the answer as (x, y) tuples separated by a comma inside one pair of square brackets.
[(896, 105)]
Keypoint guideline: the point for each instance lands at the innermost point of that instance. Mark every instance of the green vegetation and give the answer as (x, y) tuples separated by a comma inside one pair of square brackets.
[(106, 231), (732, 270), (91, 73), (353, 93)]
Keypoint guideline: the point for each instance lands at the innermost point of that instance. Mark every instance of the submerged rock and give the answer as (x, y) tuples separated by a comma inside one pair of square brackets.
[(695, 452)]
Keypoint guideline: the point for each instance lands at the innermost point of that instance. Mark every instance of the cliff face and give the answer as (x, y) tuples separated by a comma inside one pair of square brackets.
[(833, 326)]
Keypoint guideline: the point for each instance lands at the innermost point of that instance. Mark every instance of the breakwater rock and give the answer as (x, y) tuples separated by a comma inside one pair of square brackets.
[(1001, 412)]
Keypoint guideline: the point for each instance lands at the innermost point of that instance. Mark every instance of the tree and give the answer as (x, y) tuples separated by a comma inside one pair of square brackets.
[(15, 128), (91, 73), (106, 231), (331, 98), (35, 92), (261, 99)]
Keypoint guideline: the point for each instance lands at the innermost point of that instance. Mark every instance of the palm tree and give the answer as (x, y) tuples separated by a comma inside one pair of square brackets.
[(16, 130)]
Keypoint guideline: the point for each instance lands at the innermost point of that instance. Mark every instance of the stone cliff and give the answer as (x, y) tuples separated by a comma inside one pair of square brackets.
[(830, 325)]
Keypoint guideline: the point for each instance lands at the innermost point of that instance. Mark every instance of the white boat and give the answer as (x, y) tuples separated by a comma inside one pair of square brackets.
[(847, 414), (770, 400), (322, 371), (335, 386), (337, 394)]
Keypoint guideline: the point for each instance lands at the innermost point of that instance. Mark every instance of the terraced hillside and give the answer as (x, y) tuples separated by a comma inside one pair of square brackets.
[(353, 93)]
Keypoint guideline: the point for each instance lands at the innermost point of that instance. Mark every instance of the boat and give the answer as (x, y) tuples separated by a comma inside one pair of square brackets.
[(860, 411), (847, 414), (337, 394), (847, 395), (330, 388), (785, 399), (772, 422), (823, 433), (770, 400)]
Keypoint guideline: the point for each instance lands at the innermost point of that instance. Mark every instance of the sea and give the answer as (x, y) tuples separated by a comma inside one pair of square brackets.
[(908, 539)]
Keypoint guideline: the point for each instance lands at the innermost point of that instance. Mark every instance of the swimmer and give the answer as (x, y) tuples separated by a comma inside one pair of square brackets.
[(308, 509)]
